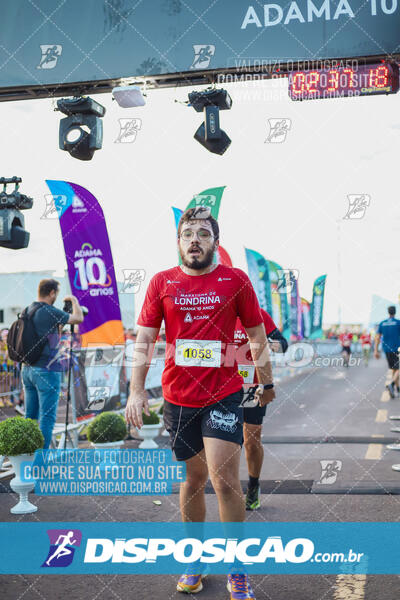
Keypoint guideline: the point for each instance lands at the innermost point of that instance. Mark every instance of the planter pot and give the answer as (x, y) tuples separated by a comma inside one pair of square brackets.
[(103, 445), (165, 432), (22, 487), (148, 433)]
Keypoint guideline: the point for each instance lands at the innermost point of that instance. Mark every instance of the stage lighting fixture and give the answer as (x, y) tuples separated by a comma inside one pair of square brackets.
[(12, 222), (209, 134), (81, 132), (128, 96)]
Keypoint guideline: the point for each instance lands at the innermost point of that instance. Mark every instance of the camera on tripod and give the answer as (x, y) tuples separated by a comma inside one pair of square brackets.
[(12, 221)]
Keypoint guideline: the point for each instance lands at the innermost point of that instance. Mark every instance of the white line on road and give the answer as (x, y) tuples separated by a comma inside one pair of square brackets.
[(374, 452), (350, 587), (381, 416)]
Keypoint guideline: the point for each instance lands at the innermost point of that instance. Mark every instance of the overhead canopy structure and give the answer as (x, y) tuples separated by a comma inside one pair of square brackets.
[(61, 48)]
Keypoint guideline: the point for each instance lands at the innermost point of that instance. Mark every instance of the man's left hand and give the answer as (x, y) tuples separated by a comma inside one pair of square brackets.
[(264, 397)]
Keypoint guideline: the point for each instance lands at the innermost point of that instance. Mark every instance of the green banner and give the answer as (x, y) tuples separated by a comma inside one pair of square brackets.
[(317, 307), (211, 198)]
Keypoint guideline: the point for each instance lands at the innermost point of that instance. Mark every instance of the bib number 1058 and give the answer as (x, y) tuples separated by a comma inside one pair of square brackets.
[(198, 353)]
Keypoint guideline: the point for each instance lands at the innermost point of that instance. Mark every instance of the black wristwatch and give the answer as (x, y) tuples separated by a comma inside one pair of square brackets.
[(268, 386)]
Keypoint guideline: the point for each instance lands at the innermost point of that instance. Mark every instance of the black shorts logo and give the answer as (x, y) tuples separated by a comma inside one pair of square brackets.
[(223, 421)]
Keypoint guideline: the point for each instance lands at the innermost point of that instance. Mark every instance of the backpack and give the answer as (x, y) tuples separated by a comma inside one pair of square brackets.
[(23, 342)]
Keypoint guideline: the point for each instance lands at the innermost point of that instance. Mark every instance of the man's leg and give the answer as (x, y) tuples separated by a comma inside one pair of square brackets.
[(48, 384), (253, 448), (254, 457), (191, 497), (223, 465), (30, 395)]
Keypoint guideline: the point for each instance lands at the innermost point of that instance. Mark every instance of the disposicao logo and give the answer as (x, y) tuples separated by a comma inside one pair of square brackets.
[(62, 547)]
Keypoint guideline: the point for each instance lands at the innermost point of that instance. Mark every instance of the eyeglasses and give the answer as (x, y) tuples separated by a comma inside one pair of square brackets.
[(203, 235)]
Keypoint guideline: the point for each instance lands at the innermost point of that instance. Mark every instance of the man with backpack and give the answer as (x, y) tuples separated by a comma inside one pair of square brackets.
[(33, 340)]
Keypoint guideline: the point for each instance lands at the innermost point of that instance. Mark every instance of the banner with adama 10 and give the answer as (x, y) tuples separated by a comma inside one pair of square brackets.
[(102, 40)]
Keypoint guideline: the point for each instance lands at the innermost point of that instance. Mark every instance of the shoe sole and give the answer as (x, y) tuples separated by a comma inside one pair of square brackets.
[(189, 591), (254, 506)]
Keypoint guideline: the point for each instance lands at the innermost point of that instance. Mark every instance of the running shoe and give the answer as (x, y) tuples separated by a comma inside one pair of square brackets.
[(19, 408), (191, 584), (239, 587), (253, 498), (390, 389)]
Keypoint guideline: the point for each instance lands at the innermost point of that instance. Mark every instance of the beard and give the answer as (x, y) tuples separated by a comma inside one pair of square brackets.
[(197, 262)]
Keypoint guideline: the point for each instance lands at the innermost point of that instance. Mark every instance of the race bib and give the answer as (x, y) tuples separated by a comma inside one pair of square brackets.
[(247, 372), (198, 353)]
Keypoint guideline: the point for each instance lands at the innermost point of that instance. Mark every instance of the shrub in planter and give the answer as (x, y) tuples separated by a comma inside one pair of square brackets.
[(153, 419), (20, 436), (106, 427)]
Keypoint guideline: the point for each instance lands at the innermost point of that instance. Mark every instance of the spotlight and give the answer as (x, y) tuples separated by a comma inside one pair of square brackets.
[(209, 134), (12, 222), (128, 96), (81, 132)]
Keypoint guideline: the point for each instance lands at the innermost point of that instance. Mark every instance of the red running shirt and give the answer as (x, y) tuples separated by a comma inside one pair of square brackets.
[(346, 339), (243, 356), (365, 339), (200, 313)]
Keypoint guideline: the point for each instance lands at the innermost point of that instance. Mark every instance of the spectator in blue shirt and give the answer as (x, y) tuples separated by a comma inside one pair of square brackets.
[(389, 331), (41, 383)]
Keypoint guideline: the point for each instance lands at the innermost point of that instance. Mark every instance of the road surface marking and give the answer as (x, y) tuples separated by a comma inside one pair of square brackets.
[(381, 416), (350, 587), (374, 452), (385, 396)]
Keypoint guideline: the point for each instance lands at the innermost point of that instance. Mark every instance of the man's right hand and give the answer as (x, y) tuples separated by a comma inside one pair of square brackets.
[(376, 354), (71, 299), (136, 404)]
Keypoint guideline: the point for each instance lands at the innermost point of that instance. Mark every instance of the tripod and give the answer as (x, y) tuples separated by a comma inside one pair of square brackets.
[(70, 354)]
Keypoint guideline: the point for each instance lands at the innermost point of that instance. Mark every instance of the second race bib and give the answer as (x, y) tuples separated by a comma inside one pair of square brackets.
[(247, 372), (198, 353)]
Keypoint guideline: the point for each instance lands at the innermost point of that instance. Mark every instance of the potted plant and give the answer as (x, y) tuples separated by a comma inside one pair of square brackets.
[(107, 430), (19, 438), (149, 430)]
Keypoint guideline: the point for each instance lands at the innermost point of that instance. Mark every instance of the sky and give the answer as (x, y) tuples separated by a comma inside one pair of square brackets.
[(286, 200)]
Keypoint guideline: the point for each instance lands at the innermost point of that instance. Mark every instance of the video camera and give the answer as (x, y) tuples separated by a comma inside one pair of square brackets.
[(12, 222)]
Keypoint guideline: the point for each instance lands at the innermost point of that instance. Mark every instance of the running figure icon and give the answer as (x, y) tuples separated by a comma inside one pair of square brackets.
[(62, 549)]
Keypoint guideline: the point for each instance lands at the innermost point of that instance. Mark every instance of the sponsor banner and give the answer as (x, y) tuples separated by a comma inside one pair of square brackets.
[(317, 307), (157, 548), (279, 291), (223, 257), (258, 270), (305, 318), (211, 197), (151, 38), (90, 264), (295, 308)]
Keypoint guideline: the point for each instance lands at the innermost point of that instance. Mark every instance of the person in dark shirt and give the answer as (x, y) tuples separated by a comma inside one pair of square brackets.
[(389, 331), (41, 383)]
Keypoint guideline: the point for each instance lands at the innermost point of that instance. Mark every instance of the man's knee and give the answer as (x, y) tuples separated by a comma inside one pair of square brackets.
[(252, 438), (224, 483)]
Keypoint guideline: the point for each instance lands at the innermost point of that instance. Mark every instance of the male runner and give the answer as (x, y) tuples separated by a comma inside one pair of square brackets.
[(199, 302), (253, 415), (345, 339), (366, 343), (389, 331)]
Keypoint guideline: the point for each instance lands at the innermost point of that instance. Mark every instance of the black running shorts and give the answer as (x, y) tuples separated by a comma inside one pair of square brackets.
[(188, 426), (254, 415), (393, 360)]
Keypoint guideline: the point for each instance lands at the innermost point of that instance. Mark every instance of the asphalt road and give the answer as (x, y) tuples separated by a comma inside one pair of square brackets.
[(328, 414)]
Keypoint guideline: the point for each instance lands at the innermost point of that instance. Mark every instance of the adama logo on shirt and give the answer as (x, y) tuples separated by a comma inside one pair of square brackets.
[(224, 279)]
